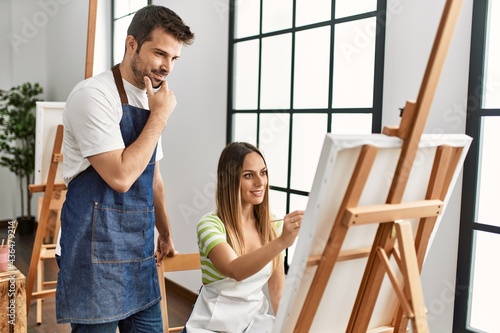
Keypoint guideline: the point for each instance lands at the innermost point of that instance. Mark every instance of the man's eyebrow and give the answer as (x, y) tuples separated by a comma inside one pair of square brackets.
[(165, 52), (156, 49)]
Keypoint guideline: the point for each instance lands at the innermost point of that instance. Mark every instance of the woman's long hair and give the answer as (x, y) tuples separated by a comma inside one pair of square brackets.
[(228, 198)]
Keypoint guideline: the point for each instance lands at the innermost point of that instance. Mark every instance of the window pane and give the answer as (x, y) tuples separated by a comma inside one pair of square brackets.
[(298, 202), (307, 140), (491, 92), (277, 200), (308, 12), (488, 176), (276, 15), (246, 72), (119, 35), (345, 8), (348, 123), (245, 127), (247, 18), (354, 57), (312, 63), (275, 78), (273, 141), (485, 290), (125, 7)]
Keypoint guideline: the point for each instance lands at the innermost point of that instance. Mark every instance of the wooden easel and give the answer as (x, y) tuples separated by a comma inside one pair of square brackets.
[(393, 237), (41, 251), (50, 188)]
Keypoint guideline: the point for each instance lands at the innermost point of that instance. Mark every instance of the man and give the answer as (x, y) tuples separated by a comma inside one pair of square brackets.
[(115, 195)]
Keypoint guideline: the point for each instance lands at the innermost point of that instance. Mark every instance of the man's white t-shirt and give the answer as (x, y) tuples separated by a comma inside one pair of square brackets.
[(91, 121)]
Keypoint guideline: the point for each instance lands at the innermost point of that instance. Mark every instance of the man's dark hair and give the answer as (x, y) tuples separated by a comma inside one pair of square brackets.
[(151, 17)]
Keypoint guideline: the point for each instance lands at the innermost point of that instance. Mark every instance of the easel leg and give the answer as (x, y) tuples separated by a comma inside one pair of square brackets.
[(411, 274), (39, 287)]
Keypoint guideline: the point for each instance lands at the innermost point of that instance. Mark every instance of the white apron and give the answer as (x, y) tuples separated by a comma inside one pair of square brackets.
[(230, 306)]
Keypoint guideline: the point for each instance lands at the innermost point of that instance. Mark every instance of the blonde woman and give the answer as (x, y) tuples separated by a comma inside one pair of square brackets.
[(240, 248)]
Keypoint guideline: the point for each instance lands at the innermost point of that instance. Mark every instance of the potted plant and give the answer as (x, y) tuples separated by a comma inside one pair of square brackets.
[(17, 142)]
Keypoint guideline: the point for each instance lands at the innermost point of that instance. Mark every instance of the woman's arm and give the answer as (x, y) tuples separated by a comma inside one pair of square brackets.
[(239, 268), (275, 286)]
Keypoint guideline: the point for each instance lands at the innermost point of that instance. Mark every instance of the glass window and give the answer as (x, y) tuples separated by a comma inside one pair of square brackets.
[(307, 140), (246, 75), (354, 57), (274, 142), (245, 127), (485, 290), (276, 15), (125, 7), (277, 200), (349, 123), (309, 12), (276, 76), (478, 271), (491, 89), (345, 8), (292, 82), (122, 12), (312, 63), (488, 176), (247, 21), (119, 35)]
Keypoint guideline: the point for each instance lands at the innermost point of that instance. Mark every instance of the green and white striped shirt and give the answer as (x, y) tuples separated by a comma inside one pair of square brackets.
[(211, 232)]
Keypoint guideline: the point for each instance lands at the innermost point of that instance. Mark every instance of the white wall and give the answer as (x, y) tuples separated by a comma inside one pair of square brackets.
[(30, 55), (55, 57), (45, 42), (410, 33)]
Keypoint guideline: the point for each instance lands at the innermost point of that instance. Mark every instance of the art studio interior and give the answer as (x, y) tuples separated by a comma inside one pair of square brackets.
[(310, 83)]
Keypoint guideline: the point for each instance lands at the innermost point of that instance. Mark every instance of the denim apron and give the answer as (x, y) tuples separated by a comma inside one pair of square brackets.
[(233, 307), (107, 269)]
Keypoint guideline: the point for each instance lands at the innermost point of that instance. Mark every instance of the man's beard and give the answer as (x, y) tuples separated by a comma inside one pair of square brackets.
[(139, 72)]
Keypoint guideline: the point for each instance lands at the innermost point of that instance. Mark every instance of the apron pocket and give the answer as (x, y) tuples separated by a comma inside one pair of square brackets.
[(225, 310), (119, 233)]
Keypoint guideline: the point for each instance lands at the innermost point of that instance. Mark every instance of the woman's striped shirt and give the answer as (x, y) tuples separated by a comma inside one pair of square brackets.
[(211, 232)]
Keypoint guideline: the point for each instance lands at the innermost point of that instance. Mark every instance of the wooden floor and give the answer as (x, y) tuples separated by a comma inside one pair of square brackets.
[(179, 306)]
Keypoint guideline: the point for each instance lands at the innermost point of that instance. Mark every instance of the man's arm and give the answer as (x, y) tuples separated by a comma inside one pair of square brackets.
[(165, 244), (122, 167)]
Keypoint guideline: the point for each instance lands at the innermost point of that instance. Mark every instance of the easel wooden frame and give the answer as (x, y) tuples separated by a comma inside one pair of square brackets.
[(409, 252), (50, 187)]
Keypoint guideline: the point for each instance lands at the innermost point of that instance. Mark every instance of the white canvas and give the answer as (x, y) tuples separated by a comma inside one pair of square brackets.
[(48, 116)]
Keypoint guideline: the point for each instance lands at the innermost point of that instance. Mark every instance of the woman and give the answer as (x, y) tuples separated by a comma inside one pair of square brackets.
[(240, 249)]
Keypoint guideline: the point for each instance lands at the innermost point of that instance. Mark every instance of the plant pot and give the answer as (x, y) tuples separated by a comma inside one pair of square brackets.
[(26, 225)]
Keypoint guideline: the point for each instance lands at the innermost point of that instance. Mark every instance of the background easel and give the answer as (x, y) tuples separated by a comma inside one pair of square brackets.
[(50, 188), (393, 236)]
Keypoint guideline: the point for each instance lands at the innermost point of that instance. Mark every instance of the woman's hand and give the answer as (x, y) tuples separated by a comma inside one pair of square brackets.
[(291, 227)]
